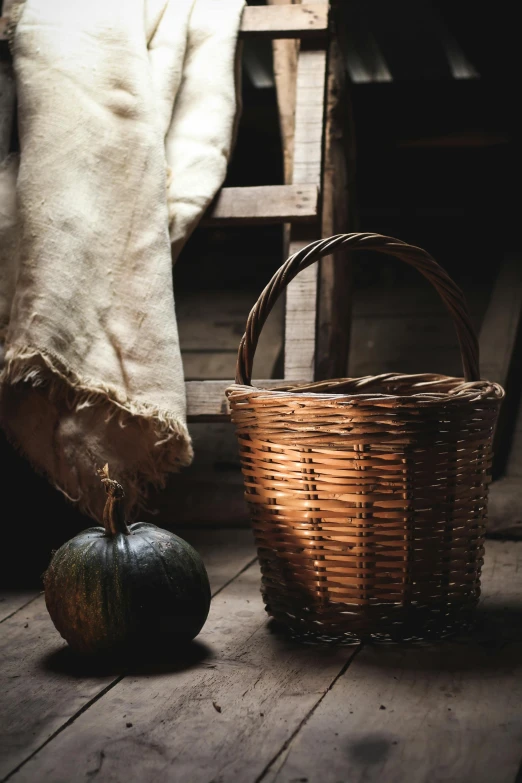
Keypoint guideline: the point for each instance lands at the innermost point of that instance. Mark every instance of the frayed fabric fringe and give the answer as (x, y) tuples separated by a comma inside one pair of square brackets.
[(170, 444)]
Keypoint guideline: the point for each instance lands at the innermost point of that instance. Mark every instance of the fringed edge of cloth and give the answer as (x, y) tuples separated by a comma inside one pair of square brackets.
[(170, 446)]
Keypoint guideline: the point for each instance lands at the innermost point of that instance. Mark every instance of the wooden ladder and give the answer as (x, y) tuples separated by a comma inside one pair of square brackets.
[(313, 202)]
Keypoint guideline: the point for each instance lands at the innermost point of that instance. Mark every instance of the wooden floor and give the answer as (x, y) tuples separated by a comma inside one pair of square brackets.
[(247, 705)]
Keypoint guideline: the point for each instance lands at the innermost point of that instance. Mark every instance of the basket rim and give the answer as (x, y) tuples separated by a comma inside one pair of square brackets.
[(468, 392)]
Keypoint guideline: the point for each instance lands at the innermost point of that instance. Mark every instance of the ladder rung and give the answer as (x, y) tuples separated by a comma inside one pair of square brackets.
[(285, 21), (206, 400), (265, 204)]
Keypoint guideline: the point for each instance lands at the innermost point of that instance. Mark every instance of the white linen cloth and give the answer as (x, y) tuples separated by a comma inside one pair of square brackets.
[(126, 116)]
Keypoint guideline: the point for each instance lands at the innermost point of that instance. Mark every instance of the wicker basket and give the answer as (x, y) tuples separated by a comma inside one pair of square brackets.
[(368, 496)]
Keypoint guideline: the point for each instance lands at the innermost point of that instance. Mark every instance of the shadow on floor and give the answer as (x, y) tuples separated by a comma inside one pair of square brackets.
[(493, 645), (156, 661)]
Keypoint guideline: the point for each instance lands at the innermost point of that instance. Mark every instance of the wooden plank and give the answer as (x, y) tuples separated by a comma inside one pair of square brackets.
[(426, 713), (264, 204), (338, 216), (39, 693), (225, 552), (501, 322), (505, 503), (505, 497), (285, 21), (500, 347), (3, 28), (285, 55), (514, 463), (285, 75), (301, 317), (221, 719), (309, 116), (206, 400), (12, 601), (302, 293), (458, 139), (43, 686), (500, 344), (211, 323)]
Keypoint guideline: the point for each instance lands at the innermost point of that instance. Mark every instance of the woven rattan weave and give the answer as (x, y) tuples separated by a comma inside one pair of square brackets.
[(368, 496)]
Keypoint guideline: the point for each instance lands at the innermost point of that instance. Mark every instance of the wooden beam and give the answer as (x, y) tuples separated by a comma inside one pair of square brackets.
[(338, 216), (500, 326), (501, 361), (301, 312), (265, 204), (302, 293), (500, 350), (11, 601), (3, 28), (285, 73), (206, 400), (285, 53), (285, 21)]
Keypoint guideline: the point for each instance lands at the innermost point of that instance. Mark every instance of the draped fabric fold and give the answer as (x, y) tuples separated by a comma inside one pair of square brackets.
[(126, 115)]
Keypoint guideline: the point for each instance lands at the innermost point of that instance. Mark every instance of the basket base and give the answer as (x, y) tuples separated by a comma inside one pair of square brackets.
[(380, 624)]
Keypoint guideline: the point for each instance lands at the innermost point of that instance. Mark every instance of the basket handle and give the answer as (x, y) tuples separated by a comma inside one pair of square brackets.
[(449, 292)]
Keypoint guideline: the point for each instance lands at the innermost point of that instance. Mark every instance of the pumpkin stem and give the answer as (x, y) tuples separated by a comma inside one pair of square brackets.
[(113, 513)]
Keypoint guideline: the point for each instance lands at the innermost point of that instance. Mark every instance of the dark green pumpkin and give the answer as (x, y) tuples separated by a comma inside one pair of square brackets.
[(123, 587)]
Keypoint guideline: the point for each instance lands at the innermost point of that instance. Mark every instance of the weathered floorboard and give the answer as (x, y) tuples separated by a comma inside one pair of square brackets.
[(255, 707), (447, 712), (225, 552), (43, 686), (12, 601), (37, 699), (223, 719)]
